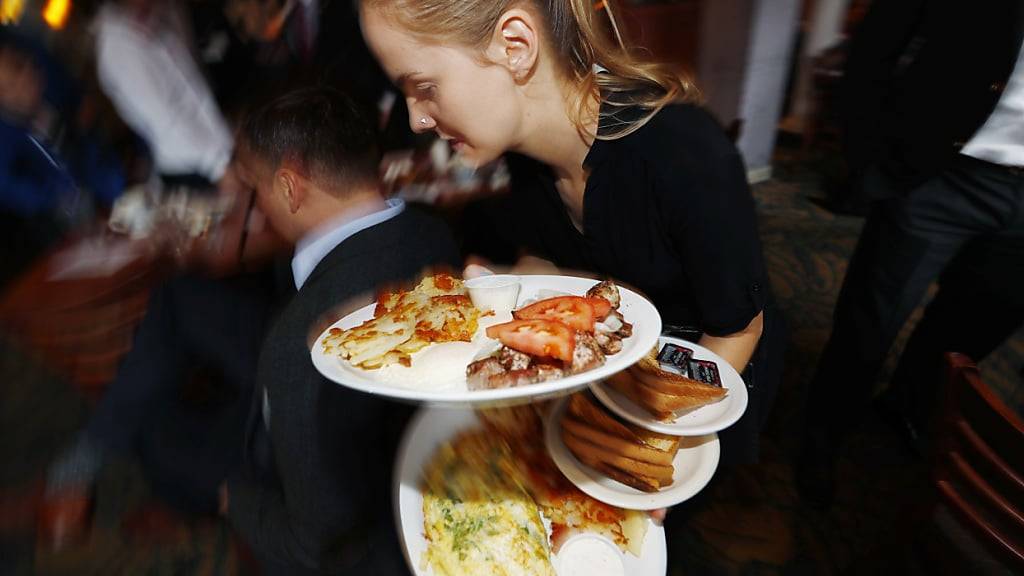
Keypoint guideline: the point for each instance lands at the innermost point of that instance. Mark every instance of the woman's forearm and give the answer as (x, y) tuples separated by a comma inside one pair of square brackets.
[(736, 348)]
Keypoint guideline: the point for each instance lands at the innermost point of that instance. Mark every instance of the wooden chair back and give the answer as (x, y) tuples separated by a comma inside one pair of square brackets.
[(80, 326), (978, 462)]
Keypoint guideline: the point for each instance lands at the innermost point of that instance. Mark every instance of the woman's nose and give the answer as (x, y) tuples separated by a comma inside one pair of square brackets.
[(420, 121)]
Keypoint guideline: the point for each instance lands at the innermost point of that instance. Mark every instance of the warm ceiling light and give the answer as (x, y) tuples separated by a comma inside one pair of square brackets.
[(11, 10), (56, 13)]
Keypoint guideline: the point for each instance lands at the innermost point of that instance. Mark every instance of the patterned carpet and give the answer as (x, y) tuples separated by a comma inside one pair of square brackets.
[(748, 521)]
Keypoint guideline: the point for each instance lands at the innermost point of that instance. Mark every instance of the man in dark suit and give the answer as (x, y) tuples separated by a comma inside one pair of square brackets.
[(315, 496), (935, 132)]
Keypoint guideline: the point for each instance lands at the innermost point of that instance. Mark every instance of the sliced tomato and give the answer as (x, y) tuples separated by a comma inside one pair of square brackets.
[(602, 307), (536, 337), (575, 312)]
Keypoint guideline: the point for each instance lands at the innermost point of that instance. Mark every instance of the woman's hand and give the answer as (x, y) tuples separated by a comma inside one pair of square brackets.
[(476, 270), (533, 265), (477, 266)]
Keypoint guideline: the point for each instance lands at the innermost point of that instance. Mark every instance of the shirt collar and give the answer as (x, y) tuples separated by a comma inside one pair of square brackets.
[(314, 246)]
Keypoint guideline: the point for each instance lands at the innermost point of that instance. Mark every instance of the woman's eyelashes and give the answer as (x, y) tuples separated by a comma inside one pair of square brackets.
[(426, 91)]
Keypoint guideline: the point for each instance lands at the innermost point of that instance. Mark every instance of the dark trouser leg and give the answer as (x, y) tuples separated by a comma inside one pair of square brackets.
[(980, 303), (189, 450), (192, 321), (905, 244), (146, 378), (148, 375)]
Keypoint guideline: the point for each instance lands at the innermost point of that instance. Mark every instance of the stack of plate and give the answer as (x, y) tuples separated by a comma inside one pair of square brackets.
[(449, 409)]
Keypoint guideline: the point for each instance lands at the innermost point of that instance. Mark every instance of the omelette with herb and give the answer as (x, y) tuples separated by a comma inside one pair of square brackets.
[(478, 519)]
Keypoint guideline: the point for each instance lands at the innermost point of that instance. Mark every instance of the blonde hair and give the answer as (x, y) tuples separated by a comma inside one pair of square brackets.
[(624, 82)]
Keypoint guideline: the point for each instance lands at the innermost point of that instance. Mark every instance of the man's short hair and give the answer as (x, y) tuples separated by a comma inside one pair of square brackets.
[(320, 128)]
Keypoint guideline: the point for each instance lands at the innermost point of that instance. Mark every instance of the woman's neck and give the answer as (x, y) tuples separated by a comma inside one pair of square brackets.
[(552, 136)]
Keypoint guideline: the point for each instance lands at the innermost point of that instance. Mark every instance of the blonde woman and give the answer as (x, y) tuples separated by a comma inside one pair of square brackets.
[(614, 169)]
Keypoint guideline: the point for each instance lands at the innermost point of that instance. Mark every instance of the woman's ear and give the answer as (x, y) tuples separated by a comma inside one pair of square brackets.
[(516, 43)]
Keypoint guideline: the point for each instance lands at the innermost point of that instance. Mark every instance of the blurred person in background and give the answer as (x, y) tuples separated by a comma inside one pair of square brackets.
[(181, 396), (314, 494), (205, 324), (45, 189), (33, 177), (978, 306), (319, 42), (146, 66), (934, 98), (295, 23)]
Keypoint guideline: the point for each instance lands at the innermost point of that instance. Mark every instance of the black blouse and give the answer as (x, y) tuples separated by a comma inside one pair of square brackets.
[(666, 209)]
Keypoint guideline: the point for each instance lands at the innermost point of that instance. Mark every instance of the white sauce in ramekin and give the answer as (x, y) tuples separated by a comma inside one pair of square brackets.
[(497, 292), (588, 555)]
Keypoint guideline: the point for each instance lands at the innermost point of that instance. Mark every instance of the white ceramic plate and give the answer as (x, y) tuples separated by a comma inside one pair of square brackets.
[(427, 430), (703, 420), (695, 464), (452, 388)]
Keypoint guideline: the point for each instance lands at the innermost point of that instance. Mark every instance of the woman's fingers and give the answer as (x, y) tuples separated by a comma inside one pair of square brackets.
[(475, 271), (534, 265), (659, 515)]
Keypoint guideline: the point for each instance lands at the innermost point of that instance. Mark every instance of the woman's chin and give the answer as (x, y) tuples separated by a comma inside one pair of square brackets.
[(473, 157)]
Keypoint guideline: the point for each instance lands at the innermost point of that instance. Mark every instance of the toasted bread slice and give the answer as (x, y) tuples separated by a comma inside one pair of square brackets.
[(586, 451), (635, 449), (687, 388), (648, 397), (649, 371), (585, 408), (632, 479), (678, 385), (650, 360), (660, 404), (640, 482)]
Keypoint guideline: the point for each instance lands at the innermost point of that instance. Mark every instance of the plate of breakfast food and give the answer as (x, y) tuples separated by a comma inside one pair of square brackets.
[(622, 464), (678, 388), (477, 493), (493, 338)]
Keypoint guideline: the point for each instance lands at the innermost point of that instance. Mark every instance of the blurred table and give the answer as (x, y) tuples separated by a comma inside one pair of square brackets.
[(79, 305)]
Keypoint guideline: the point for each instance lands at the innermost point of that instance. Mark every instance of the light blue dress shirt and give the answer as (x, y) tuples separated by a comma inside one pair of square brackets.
[(312, 248)]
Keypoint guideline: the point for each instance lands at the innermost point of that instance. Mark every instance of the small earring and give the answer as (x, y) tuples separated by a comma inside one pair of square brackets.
[(424, 121)]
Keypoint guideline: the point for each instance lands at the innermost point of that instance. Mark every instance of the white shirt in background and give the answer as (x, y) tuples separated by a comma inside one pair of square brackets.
[(1001, 138), (150, 75)]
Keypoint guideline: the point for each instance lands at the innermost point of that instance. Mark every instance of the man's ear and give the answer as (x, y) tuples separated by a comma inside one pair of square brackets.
[(289, 185), (515, 43)]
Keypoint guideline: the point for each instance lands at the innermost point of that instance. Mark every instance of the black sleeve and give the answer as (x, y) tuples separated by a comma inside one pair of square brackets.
[(880, 41), (713, 226)]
